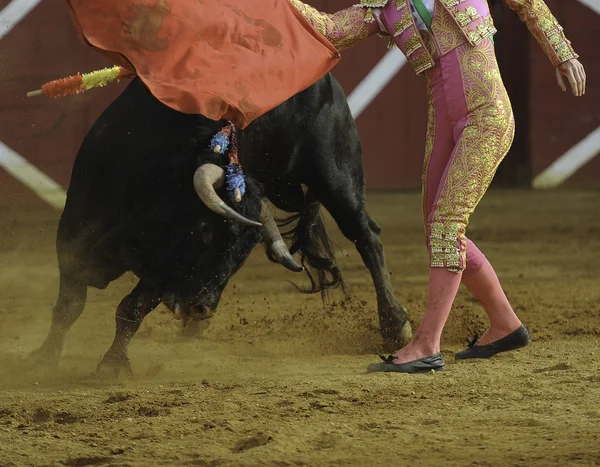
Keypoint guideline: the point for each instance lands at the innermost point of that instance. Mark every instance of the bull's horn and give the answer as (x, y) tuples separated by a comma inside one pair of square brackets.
[(275, 243), (207, 179)]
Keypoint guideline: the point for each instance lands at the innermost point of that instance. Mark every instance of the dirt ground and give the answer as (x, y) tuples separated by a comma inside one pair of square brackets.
[(279, 380)]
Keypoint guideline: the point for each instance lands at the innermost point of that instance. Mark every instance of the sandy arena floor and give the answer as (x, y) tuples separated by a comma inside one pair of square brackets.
[(279, 380)]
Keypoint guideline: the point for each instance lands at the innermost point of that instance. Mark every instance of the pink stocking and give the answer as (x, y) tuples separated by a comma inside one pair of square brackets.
[(484, 284), (443, 286)]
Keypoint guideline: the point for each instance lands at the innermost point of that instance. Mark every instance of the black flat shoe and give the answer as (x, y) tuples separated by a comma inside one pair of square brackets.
[(422, 365), (515, 340)]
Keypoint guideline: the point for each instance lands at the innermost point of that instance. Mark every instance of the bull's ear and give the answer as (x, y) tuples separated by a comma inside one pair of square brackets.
[(205, 230), (210, 157)]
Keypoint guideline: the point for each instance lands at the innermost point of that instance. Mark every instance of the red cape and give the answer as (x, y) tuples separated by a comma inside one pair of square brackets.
[(231, 59)]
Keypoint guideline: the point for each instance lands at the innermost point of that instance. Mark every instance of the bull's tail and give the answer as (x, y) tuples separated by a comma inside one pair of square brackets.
[(309, 238)]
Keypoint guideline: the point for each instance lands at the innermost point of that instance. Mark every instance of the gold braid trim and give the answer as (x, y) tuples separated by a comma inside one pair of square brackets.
[(545, 28), (445, 248), (343, 29)]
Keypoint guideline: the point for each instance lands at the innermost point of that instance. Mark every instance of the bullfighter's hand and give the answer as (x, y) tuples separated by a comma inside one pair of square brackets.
[(574, 72)]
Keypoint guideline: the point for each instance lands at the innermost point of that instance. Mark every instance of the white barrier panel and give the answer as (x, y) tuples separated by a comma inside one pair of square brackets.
[(28, 174)]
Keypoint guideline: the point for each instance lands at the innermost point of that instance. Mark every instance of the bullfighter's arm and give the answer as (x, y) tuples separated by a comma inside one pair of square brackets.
[(545, 28), (343, 29)]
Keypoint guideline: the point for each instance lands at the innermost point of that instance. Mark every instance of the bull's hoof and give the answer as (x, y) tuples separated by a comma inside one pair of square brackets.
[(405, 335), (396, 331), (193, 328), (112, 367), (44, 358)]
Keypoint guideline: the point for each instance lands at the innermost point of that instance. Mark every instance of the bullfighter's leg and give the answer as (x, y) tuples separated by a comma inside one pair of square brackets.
[(130, 313), (69, 306), (346, 204), (496, 117), (466, 91)]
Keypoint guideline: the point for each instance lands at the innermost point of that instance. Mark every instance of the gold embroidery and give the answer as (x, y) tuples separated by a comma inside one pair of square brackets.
[(430, 44), (472, 12), (400, 4), (447, 34), (429, 142), (482, 29), (483, 144), (564, 53), (402, 24), (462, 18), (421, 62), (473, 36), (369, 17), (491, 28), (343, 29), (546, 25), (444, 245), (545, 28), (555, 39), (373, 4), (456, 25), (412, 45)]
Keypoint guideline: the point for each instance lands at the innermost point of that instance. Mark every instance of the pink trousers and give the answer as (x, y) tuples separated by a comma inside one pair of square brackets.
[(470, 130)]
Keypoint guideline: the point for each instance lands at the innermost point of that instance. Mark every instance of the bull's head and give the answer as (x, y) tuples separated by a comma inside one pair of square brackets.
[(223, 245), (208, 179)]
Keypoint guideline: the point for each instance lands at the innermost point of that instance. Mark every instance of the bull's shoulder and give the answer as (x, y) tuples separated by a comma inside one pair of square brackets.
[(325, 97)]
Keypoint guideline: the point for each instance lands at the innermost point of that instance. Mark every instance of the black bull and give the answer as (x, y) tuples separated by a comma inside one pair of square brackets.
[(133, 204)]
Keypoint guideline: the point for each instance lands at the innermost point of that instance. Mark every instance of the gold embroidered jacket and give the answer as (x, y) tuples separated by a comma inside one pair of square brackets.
[(470, 19)]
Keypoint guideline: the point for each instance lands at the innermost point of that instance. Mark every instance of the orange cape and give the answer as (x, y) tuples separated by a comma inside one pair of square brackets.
[(231, 59)]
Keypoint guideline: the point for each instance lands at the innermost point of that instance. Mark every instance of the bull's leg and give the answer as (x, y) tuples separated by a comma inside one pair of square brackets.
[(69, 306), (347, 208), (192, 328), (130, 314)]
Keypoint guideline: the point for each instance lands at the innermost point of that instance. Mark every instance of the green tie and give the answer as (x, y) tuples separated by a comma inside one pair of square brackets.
[(423, 12)]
